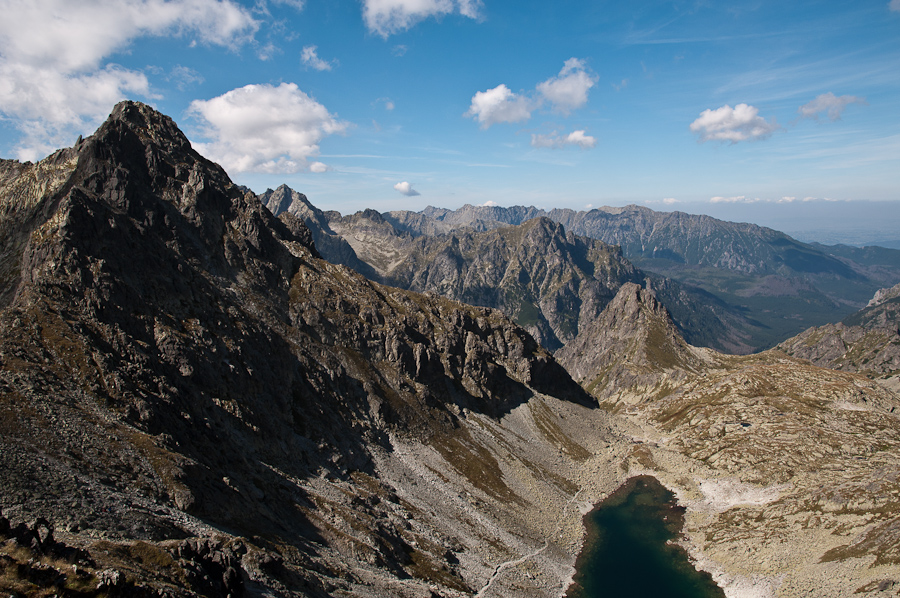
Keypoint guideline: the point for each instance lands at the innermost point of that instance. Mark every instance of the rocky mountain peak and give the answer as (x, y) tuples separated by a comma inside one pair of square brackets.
[(633, 344), (182, 360), (284, 199), (884, 295)]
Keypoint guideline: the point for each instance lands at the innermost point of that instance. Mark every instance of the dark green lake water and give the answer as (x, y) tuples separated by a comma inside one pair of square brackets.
[(625, 553)]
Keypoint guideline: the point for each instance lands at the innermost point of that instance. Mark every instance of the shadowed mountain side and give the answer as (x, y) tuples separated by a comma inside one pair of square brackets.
[(176, 362)]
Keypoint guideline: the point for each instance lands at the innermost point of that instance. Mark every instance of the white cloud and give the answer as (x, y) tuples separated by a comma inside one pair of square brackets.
[(388, 103), (733, 124), (262, 128), (490, 204), (894, 5), (568, 90), (556, 141), (318, 167), (184, 76), (298, 4), (53, 83), (386, 17), (406, 189), (736, 199), (399, 50), (309, 57), (498, 105), (829, 104), (670, 200), (565, 92)]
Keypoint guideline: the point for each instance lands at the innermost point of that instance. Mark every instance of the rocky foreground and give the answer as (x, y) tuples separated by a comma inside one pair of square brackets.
[(193, 403)]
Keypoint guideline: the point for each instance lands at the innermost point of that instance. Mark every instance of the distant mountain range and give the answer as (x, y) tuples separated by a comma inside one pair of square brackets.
[(548, 280), (763, 285)]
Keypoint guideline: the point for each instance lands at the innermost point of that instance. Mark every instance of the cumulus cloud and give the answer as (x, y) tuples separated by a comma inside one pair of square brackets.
[(386, 17), (53, 80), (554, 140), (740, 123), (498, 105), (829, 104), (262, 128), (490, 204), (568, 90), (310, 58), (406, 189), (894, 5), (565, 92)]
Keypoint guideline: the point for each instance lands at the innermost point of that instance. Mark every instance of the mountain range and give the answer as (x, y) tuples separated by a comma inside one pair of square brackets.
[(546, 279), (193, 402), (766, 285)]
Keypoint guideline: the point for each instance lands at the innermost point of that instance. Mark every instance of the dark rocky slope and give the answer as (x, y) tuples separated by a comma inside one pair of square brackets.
[(176, 363)]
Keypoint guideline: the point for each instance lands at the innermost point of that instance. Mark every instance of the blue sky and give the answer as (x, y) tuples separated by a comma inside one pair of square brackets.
[(736, 109)]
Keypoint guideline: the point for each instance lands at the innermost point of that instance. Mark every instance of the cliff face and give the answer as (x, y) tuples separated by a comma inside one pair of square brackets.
[(175, 362)]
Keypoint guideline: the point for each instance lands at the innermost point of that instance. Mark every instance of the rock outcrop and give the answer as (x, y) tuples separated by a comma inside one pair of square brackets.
[(633, 346), (867, 341)]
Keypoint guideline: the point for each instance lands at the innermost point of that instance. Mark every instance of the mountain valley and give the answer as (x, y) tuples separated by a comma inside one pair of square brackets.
[(193, 402)]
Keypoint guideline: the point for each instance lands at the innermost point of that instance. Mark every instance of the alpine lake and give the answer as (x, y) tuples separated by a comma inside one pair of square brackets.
[(628, 551)]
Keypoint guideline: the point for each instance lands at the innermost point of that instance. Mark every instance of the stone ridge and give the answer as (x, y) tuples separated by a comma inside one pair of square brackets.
[(867, 342), (285, 200), (633, 344)]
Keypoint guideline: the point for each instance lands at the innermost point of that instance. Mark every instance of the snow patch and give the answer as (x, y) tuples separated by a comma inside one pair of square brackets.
[(721, 495)]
